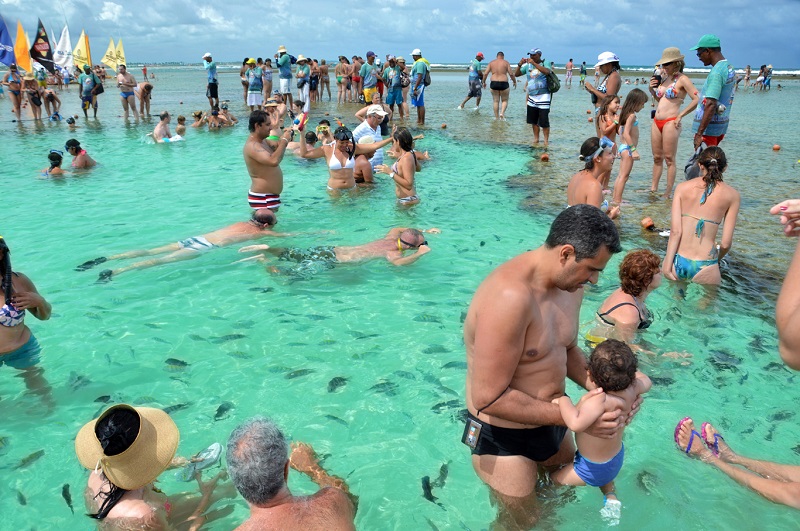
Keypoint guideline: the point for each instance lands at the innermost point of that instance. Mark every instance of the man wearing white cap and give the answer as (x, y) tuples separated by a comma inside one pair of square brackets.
[(418, 74), (212, 89), (539, 96), (371, 126), (284, 63)]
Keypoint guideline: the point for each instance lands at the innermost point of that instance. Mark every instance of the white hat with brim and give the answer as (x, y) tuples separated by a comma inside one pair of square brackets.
[(670, 55), (376, 109), (206, 55), (605, 58), (416, 52), (148, 456), (281, 49), (301, 57)]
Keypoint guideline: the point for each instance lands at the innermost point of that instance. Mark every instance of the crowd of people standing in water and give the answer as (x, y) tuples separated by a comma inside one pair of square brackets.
[(519, 418)]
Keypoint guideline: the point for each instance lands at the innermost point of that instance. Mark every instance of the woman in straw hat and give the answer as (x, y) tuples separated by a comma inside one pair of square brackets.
[(670, 91), (32, 91), (128, 448)]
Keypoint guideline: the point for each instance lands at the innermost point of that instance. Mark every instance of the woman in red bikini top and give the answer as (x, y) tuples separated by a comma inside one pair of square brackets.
[(670, 91)]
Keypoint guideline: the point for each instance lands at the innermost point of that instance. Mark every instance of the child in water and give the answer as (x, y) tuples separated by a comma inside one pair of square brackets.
[(180, 129), (607, 122), (55, 157), (612, 367), (629, 139)]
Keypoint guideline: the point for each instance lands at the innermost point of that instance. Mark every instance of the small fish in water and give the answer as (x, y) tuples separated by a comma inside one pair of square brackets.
[(222, 410), (775, 366), (328, 342), (296, 344), (780, 416), (92, 315), (196, 337), (240, 355), (770, 433), (427, 491), (757, 343), (724, 361), (427, 318), (436, 349), (158, 339), (441, 406), (744, 378), (3, 445), (247, 323), (646, 481), (263, 290), (105, 399), (67, 496), (427, 303), (663, 381), (444, 470), (405, 374), (76, 381), (455, 365), (278, 368), (386, 387), (796, 449), (216, 318), (179, 379), (367, 336), (155, 326), (462, 415), (298, 373), (133, 352), (337, 419), (174, 364), (21, 498), (223, 339), (317, 317), (172, 409), (336, 383), (29, 460)]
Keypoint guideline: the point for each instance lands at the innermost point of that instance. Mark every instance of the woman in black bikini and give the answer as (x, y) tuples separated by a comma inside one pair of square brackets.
[(625, 310)]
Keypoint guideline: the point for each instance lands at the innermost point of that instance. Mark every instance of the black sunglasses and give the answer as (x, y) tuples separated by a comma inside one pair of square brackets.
[(701, 51), (424, 242)]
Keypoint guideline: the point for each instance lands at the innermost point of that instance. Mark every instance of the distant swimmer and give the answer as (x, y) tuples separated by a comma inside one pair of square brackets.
[(500, 71), (80, 159), (391, 248), (263, 162), (259, 225)]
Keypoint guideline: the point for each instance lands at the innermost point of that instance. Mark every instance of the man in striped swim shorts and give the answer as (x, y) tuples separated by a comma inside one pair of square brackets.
[(263, 162)]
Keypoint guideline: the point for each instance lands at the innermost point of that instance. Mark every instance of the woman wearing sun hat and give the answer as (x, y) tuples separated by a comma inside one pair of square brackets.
[(608, 63), (32, 91), (127, 448), (670, 92)]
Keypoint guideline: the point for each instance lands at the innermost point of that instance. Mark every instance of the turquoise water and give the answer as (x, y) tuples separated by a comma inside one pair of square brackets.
[(394, 333)]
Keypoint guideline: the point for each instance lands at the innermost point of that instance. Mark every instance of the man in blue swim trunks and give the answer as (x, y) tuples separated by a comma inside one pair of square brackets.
[(521, 337), (126, 83), (261, 224)]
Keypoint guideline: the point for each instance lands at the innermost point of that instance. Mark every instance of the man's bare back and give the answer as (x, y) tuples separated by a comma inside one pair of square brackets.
[(500, 70), (329, 508)]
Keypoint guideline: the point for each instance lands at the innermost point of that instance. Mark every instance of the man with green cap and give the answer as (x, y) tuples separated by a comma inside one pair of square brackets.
[(713, 111)]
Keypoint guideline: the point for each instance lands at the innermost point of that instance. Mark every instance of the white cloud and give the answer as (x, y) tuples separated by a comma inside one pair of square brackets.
[(111, 12)]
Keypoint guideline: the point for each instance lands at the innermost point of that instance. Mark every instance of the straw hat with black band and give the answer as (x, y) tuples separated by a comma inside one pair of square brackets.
[(147, 457), (670, 55)]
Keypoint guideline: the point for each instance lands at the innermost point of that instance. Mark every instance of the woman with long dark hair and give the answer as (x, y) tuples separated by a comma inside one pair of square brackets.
[(699, 208), (18, 346), (340, 156), (127, 448), (404, 169)]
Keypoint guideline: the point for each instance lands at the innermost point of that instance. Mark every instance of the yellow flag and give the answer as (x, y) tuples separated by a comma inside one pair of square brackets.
[(110, 58), (22, 50), (81, 55), (121, 54)]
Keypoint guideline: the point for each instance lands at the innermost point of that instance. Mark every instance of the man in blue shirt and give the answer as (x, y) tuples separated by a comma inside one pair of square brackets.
[(284, 63), (212, 89), (475, 79), (713, 111)]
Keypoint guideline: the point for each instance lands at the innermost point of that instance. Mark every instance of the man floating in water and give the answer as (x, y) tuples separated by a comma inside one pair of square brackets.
[(259, 225), (310, 261)]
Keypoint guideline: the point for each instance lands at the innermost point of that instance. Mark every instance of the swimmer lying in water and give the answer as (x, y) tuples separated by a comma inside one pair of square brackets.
[(259, 225), (391, 247)]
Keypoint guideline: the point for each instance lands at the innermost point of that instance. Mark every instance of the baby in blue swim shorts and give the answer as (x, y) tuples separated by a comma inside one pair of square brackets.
[(612, 367)]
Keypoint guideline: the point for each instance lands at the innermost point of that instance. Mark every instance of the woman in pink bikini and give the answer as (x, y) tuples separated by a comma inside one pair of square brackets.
[(670, 91)]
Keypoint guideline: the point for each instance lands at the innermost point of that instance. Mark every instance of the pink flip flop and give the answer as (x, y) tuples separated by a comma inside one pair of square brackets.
[(714, 447)]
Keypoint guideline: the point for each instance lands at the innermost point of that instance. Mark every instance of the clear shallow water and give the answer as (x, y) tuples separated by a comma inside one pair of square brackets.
[(393, 332)]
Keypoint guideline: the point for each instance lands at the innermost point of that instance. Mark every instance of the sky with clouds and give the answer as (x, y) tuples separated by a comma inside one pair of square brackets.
[(446, 31)]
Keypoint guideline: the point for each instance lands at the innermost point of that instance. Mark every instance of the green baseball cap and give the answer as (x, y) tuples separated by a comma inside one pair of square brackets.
[(708, 41)]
